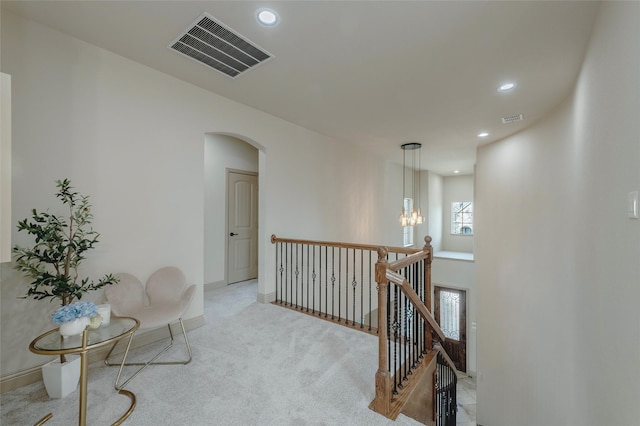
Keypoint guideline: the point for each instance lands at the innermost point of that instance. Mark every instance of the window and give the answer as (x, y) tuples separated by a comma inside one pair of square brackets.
[(407, 231), (450, 313), (462, 218)]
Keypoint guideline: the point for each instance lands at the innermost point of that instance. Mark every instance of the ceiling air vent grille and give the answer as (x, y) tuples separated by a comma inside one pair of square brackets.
[(217, 46), (511, 118)]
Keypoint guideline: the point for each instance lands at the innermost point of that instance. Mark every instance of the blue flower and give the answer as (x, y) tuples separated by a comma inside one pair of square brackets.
[(73, 311)]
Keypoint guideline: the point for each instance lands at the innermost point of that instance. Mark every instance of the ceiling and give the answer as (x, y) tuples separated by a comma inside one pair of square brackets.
[(373, 73)]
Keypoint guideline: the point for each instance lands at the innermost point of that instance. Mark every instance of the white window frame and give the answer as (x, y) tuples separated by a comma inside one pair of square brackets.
[(462, 219)]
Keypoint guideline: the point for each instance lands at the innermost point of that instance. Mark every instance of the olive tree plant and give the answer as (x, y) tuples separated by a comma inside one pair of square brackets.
[(60, 246)]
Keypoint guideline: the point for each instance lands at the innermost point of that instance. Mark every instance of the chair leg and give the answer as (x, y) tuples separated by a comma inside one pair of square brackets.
[(150, 362)]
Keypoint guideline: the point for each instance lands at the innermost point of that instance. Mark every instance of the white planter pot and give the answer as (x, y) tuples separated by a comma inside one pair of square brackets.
[(61, 379)]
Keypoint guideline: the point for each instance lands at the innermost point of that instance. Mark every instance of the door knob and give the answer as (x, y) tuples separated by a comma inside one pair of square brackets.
[(232, 234)]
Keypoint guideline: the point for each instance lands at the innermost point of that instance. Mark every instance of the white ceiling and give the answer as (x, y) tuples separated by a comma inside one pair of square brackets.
[(374, 73)]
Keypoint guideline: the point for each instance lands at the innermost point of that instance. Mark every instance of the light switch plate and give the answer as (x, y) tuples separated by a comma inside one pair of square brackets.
[(632, 208)]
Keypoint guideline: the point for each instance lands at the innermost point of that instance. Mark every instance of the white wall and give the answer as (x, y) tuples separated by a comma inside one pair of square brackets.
[(221, 152), (460, 274), (558, 261), (435, 210), (455, 188), (6, 222), (132, 138)]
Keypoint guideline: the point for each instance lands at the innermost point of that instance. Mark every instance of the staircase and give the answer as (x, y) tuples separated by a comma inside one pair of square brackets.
[(385, 291)]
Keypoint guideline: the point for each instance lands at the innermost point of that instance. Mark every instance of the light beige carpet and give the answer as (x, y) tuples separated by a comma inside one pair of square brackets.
[(254, 364)]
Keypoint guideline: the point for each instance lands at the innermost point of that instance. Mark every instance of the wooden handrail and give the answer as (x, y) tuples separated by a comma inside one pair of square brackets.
[(404, 286), (404, 250), (445, 355), (409, 260)]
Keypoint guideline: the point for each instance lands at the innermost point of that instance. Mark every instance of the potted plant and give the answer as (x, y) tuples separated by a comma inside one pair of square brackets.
[(60, 246)]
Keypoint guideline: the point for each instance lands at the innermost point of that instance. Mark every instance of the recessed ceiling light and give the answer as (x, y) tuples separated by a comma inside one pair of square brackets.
[(505, 87), (456, 171), (483, 134), (267, 17)]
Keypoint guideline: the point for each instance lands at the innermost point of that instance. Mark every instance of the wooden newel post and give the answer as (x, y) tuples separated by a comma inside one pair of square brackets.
[(428, 335), (382, 401)]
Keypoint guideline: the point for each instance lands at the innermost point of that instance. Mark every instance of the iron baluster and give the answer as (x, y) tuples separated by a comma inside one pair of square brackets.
[(396, 326), (421, 324), (392, 347), (326, 281), (291, 284), (403, 349), (346, 288), (354, 284), (297, 274), (370, 291), (333, 280), (362, 289), (286, 275), (279, 294), (414, 325), (339, 282), (308, 269), (313, 286), (389, 331)]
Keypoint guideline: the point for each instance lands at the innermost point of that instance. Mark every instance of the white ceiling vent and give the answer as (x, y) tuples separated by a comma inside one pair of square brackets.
[(511, 118), (217, 46)]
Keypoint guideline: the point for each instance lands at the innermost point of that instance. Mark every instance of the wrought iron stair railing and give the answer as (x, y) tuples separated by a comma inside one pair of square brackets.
[(330, 280), (358, 286), (409, 339), (445, 406)]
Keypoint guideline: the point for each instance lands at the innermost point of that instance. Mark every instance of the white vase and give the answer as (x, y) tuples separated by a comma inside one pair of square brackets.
[(105, 312), (61, 379), (72, 328)]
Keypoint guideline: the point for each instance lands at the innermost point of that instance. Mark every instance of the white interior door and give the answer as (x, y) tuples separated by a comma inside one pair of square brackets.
[(242, 226)]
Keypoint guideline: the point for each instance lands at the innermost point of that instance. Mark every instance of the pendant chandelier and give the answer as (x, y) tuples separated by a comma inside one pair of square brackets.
[(410, 216)]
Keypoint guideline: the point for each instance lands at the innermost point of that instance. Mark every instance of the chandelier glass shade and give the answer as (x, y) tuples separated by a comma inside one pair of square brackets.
[(410, 215)]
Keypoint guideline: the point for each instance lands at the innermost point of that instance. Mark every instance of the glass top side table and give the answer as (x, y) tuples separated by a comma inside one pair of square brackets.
[(52, 343)]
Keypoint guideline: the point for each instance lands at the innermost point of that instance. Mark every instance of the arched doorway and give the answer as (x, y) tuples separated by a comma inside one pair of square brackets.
[(225, 156)]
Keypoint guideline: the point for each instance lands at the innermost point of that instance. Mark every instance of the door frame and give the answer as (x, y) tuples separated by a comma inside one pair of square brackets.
[(229, 170)]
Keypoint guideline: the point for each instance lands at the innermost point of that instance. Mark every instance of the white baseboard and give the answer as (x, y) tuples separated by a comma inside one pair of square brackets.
[(266, 298), (22, 378), (215, 284), (34, 374)]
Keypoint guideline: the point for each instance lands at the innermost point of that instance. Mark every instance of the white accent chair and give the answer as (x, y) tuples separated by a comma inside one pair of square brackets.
[(161, 302)]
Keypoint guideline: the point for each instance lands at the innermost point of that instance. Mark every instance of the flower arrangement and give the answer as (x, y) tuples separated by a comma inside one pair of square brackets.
[(74, 311)]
